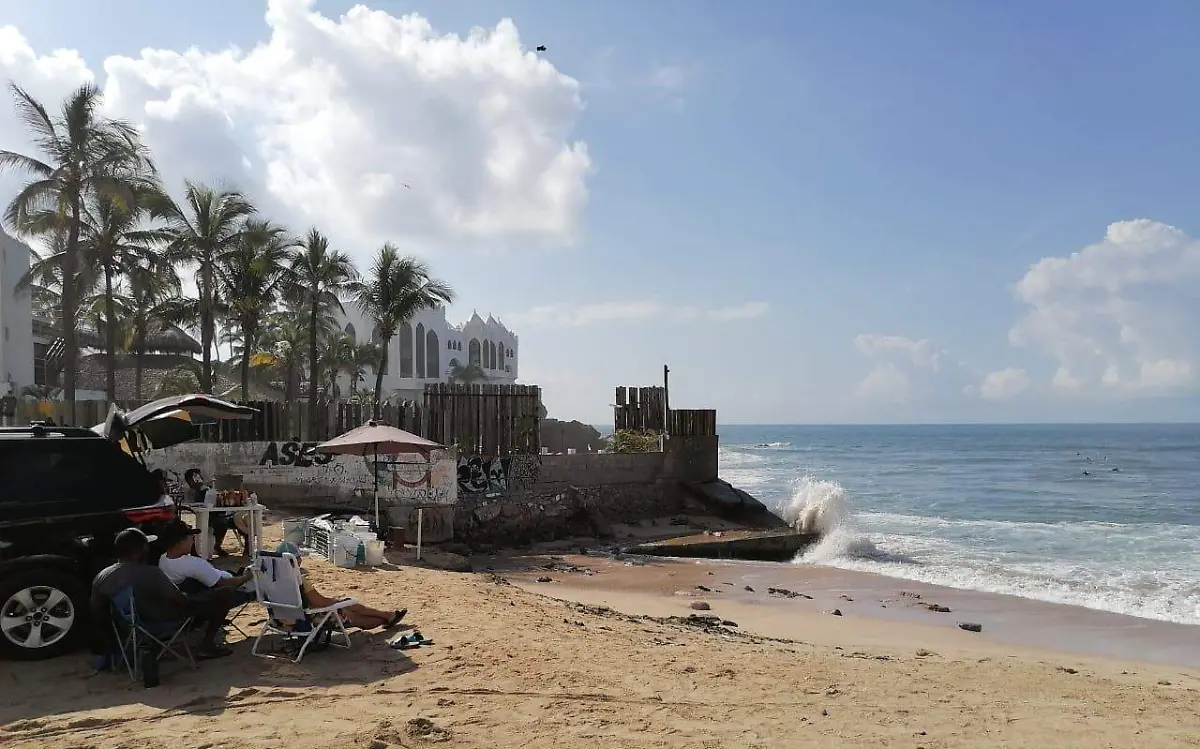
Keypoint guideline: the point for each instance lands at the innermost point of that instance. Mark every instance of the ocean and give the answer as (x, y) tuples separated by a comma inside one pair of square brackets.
[(1101, 516)]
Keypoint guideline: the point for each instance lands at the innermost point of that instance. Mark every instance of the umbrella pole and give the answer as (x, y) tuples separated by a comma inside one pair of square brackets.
[(378, 528)]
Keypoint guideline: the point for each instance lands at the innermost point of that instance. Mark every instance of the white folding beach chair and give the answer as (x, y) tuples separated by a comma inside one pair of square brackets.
[(277, 585)]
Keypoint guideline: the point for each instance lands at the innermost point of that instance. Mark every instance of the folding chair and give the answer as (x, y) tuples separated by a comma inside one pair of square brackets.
[(133, 635), (277, 585)]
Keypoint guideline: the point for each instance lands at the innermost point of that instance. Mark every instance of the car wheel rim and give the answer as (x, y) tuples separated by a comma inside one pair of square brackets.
[(36, 617)]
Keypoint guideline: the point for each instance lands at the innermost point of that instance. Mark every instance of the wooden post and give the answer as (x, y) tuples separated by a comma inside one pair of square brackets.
[(666, 399), (420, 525)]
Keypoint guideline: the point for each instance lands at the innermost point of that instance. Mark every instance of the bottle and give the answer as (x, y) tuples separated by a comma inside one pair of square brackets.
[(360, 554)]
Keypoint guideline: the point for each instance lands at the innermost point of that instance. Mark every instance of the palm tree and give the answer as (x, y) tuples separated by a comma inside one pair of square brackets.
[(113, 240), (365, 355), (285, 340), (396, 289), (250, 277), (322, 276), (471, 373), (151, 300), (82, 155), (202, 230), (337, 356)]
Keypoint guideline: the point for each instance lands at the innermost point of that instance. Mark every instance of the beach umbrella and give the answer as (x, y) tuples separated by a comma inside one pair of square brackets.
[(374, 439)]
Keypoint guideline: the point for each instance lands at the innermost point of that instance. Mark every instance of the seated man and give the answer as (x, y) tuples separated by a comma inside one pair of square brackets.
[(200, 494), (156, 598), (198, 577)]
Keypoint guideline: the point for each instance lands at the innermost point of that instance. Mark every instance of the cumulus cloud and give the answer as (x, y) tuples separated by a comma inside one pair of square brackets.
[(921, 353), (1118, 315), (565, 315), (886, 383), (903, 368), (1004, 384), (372, 126)]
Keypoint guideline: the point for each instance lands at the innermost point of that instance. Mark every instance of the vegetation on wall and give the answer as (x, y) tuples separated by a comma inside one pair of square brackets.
[(634, 441)]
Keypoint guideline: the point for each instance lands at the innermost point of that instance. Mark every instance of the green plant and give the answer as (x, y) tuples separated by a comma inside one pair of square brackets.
[(634, 441)]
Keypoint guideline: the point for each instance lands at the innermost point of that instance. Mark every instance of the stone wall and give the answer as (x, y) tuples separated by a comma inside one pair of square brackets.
[(546, 514)]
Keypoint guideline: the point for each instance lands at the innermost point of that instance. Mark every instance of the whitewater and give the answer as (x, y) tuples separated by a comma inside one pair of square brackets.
[(1105, 517)]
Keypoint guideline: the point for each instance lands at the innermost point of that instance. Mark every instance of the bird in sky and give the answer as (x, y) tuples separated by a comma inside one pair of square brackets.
[(541, 48)]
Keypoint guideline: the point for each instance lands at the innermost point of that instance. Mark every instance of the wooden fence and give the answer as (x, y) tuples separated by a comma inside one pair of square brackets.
[(640, 409), (484, 419), (692, 423), (493, 420), (644, 410)]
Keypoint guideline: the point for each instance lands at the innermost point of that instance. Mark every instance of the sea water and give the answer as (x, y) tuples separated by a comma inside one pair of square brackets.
[(1101, 516)]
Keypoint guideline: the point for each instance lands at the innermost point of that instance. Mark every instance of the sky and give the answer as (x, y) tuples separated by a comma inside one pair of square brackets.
[(812, 212)]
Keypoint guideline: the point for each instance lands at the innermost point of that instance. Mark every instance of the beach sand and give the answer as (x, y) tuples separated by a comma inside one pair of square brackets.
[(514, 667)]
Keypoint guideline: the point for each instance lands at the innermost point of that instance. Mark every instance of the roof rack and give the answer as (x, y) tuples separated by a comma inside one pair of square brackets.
[(43, 430)]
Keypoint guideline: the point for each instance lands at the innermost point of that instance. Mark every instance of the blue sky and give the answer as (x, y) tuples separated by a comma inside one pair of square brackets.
[(813, 212)]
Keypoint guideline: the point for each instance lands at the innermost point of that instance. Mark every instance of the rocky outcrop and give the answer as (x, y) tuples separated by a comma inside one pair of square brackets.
[(730, 503)]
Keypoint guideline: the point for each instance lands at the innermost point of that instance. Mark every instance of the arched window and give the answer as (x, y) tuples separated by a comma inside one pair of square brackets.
[(449, 345), (433, 353), (489, 353), (406, 350), (474, 353), (500, 357), (419, 349), (350, 331)]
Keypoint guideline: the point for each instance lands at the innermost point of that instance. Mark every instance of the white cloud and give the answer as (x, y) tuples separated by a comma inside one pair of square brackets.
[(371, 126), (667, 77), (921, 353), (903, 368), (565, 315), (886, 383), (1003, 384), (1117, 315)]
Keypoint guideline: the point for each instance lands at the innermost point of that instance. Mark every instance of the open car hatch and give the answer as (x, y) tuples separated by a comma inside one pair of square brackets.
[(168, 421)]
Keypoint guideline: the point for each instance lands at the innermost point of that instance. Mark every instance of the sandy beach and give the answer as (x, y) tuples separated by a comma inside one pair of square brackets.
[(604, 654)]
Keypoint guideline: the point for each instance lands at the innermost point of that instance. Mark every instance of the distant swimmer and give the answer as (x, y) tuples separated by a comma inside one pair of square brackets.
[(1085, 473), (1116, 470)]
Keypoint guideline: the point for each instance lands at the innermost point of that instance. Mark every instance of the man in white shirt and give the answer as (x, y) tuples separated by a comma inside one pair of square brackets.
[(196, 576)]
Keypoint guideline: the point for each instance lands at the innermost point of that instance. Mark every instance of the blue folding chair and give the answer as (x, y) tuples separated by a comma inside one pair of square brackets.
[(135, 636)]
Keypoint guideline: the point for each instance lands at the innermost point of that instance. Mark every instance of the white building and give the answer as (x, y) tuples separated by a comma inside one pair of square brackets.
[(426, 347), (16, 318)]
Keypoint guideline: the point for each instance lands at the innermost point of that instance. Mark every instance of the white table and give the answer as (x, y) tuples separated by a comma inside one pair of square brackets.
[(204, 541)]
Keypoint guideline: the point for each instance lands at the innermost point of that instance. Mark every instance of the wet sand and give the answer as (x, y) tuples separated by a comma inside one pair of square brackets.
[(669, 586)]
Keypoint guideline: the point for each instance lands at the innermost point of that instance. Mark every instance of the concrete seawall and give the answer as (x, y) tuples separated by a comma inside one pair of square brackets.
[(507, 501)]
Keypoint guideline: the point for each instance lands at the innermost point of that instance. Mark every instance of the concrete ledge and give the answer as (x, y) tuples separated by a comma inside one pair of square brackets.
[(767, 546)]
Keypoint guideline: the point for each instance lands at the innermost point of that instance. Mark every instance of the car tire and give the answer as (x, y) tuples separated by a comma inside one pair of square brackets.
[(42, 613)]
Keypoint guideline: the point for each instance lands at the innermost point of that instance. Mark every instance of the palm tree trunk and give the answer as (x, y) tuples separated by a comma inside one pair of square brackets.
[(110, 336), (289, 386), (313, 365), (383, 349), (206, 326), (247, 337), (139, 354), (70, 340)]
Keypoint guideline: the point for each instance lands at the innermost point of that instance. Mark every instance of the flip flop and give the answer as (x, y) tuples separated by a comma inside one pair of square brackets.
[(396, 618), (409, 641)]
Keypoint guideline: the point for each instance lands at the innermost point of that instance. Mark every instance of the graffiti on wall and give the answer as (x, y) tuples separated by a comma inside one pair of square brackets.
[(299, 454), (490, 476), (409, 479)]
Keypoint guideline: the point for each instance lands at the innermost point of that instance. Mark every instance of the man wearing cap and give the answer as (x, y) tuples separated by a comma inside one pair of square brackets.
[(197, 577), (158, 599)]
